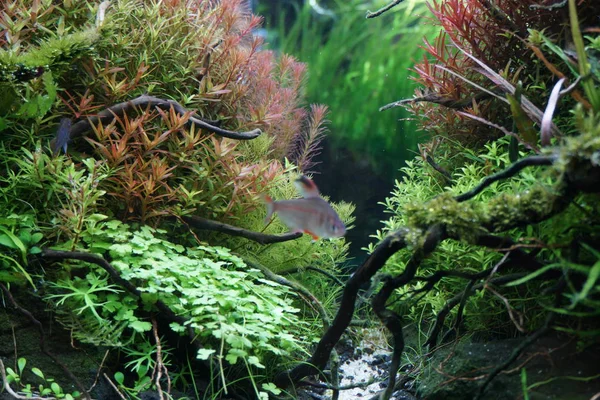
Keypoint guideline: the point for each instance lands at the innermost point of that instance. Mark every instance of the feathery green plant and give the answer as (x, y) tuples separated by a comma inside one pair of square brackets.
[(356, 67)]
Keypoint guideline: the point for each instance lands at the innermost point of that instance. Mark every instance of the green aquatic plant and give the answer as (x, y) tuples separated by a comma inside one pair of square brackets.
[(490, 237), (235, 314), (176, 112), (456, 99), (47, 388), (19, 238), (357, 66)]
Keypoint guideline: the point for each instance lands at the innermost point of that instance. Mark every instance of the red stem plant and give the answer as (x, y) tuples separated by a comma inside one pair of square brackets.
[(501, 34), (218, 70)]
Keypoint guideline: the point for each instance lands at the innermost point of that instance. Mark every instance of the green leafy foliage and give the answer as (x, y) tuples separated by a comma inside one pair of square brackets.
[(45, 387), (422, 198), (149, 167), (357, 66), (19, 238), (234, 311)]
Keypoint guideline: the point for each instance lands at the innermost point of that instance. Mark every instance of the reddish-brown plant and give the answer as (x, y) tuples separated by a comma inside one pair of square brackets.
[(497, 34), (214, 67)]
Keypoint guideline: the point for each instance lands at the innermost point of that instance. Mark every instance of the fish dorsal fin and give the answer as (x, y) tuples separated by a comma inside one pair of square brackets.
[(307, 187)]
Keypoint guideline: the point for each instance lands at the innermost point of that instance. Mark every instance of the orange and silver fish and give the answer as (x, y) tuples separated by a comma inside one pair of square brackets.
[(311, 214)]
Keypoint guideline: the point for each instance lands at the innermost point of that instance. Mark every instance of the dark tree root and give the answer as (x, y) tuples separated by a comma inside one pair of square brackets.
[(43, 344), (390, 319), (438, 168), (390, 245), (526, 343), (106, 116), (515, 354), (313, 302), (450, 304), (262, 238)]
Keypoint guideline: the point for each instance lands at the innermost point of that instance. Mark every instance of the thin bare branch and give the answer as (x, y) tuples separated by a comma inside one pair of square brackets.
[(501, 128), (438, 99), (512, 170), (262, 238), (383, 9)]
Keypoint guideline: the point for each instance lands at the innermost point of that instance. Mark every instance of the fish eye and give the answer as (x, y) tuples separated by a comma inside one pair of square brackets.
[(334, 228)]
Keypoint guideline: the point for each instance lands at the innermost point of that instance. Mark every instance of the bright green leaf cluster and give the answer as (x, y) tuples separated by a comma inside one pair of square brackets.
[(222, 299), (46, 388)]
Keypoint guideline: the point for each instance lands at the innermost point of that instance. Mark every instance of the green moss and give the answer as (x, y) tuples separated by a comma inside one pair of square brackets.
[(462, 220), (508, 210), (52, 54)]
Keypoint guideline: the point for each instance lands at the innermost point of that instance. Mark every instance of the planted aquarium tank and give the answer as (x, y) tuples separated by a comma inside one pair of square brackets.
[(300, 199)]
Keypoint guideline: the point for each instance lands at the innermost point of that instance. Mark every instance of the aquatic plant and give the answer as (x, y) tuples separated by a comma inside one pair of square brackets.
[(179, 121), (511, 246), (524, 48), (356, 66), (204, 292), (47, 389)]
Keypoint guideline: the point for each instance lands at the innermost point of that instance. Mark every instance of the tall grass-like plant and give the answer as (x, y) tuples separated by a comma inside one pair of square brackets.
[(357, 66)]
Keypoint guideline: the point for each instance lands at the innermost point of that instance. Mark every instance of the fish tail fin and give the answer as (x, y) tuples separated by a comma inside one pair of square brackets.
[(307, 187), (270, 204), (314, 236)]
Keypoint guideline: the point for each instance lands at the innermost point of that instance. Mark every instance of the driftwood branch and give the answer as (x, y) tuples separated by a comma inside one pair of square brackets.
[(526, 343), (439, 99), (108, 115), (301, 290), (313, 302), (388, 247), (262, 238), (383, 9), (392, 321), (438, 168)]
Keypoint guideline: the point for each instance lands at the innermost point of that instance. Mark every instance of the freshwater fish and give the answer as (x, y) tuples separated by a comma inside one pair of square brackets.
[(62, 138), (311, 214)]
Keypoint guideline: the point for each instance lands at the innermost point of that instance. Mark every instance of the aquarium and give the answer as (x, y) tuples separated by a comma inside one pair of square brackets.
[(327, 199)]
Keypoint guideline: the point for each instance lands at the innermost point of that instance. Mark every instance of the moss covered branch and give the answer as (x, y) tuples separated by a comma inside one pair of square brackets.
[(447, 217)]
